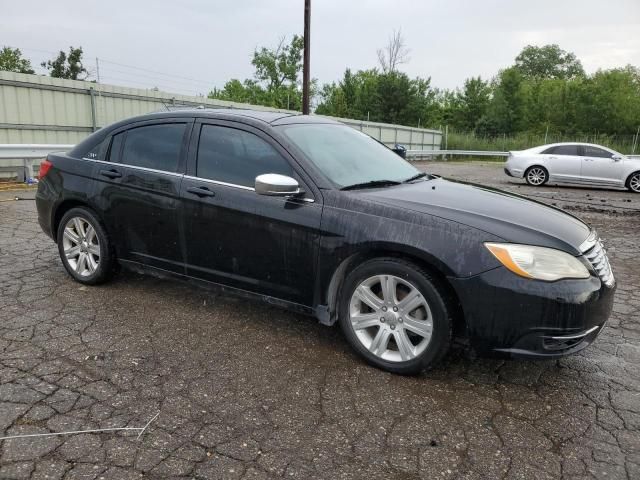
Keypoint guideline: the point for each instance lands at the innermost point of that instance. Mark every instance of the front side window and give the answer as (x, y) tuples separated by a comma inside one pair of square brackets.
[(235, 156), (590, 151), (346, 156), (154, 146)]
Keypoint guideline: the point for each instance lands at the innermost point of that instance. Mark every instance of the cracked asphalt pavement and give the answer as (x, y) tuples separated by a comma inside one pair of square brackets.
[(248, 391)]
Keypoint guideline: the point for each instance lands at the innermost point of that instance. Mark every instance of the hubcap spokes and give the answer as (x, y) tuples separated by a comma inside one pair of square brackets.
[(536, 176), (81, 246), (391, 318), (635, 183)]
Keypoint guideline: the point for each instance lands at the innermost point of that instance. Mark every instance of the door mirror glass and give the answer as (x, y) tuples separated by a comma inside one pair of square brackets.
[(276, 185)]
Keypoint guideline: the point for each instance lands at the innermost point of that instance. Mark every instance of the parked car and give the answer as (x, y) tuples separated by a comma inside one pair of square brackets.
[(575, 163), (312, 215)]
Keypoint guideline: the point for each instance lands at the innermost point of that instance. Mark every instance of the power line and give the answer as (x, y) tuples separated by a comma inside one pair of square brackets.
[(155, 72), (140, 75), (103, 61), (150, 85)]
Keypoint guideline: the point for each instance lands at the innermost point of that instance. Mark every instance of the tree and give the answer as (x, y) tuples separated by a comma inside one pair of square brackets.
[(394, 54), (473, 102), (549, 61), (275, 82), (506, 112), (11, 60), (67, 66)]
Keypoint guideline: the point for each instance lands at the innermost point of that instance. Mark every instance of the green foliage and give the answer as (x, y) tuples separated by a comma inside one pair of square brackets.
[(549, 61), (276, 79), (390, 97), (11, 60), (67, 66)]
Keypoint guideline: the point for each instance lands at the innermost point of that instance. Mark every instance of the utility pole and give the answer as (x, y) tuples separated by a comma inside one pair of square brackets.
[(305, 64), (98, 70)]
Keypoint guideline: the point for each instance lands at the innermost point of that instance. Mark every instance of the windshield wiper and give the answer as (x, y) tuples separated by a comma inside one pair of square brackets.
[(371, 184), (415, 177)]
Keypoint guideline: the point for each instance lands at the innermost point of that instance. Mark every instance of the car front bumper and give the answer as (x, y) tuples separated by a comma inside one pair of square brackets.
[(518, 317)]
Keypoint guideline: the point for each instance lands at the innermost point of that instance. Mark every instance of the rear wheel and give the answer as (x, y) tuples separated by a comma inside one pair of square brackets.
[(536, 176), (84, 247), (633, 182), (395, 315)]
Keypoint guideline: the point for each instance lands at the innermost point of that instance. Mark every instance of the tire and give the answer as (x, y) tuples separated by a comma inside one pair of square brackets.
[(536, 176), (633, 182), (413, 286), (80, 232)]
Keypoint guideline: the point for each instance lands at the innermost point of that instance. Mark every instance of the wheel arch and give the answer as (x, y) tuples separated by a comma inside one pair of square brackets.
[(63, 208), (627, 181), (431, 265)]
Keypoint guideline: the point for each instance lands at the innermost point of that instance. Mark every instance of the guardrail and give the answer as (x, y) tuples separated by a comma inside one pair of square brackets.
[(20, 158), (416, 154)]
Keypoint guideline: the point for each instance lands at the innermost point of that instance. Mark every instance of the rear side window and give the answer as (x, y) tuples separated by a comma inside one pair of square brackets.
[(596, 152), (563, 150), (154, 146), (235, 156), (99, 151)]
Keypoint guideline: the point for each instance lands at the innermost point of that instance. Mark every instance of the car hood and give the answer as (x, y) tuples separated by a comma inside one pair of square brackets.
[(506, 215)]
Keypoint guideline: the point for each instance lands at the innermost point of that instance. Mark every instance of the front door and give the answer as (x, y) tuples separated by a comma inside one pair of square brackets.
[(599, 168), (234, 236)]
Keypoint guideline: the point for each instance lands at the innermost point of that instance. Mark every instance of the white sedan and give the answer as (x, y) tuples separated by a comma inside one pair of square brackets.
[(575, 163)]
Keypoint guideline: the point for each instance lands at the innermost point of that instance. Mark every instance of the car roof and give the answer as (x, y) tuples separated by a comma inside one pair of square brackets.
[(542, 148), (257, 118), (248, 115), (559, 144)]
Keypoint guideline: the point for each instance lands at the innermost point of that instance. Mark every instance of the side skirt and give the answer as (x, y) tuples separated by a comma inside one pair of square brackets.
[(217, 287)]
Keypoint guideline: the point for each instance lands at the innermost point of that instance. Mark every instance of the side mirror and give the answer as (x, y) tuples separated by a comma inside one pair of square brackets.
[(400, 150), (276, 185), (616, 157)]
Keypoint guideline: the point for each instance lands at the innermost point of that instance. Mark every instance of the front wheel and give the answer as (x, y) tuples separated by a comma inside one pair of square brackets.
[(395, 315), (536, 176), (84, 247), (633, 183)]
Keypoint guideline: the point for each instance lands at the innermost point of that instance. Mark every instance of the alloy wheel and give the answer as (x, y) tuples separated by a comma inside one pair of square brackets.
[(536, 176), (391, 318), (634, 182), (81, 246)]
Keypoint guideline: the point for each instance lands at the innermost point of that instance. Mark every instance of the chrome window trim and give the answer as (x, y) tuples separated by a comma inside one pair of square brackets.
[(217, 182), (241, 187), (144, 169)]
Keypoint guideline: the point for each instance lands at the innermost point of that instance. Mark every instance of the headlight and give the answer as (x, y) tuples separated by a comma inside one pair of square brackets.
[(539, 263)]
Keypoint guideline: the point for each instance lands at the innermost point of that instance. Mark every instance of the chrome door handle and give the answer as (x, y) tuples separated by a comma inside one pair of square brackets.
[(111, 173), (201, 191)]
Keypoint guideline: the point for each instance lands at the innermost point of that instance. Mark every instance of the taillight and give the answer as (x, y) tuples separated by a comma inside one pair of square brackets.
[(45, 166)]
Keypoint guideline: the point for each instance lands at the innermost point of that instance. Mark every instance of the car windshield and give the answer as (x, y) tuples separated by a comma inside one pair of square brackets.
[(349, 157)]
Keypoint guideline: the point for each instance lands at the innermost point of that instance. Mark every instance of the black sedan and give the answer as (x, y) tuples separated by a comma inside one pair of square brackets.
[(312, 215)]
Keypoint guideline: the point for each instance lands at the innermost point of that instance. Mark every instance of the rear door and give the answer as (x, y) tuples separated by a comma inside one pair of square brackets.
[(141, 188), (564, 163), (599, 168), (234, 236)]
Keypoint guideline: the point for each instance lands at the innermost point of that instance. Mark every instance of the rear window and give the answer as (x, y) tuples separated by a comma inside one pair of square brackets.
[(99, 151), (154, 146), (563, 150)]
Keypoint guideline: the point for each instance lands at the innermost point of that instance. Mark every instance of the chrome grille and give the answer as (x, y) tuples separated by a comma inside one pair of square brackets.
[(597, 256)]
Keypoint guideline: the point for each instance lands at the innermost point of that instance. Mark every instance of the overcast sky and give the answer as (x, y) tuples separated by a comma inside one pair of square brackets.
[(212, 41)]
